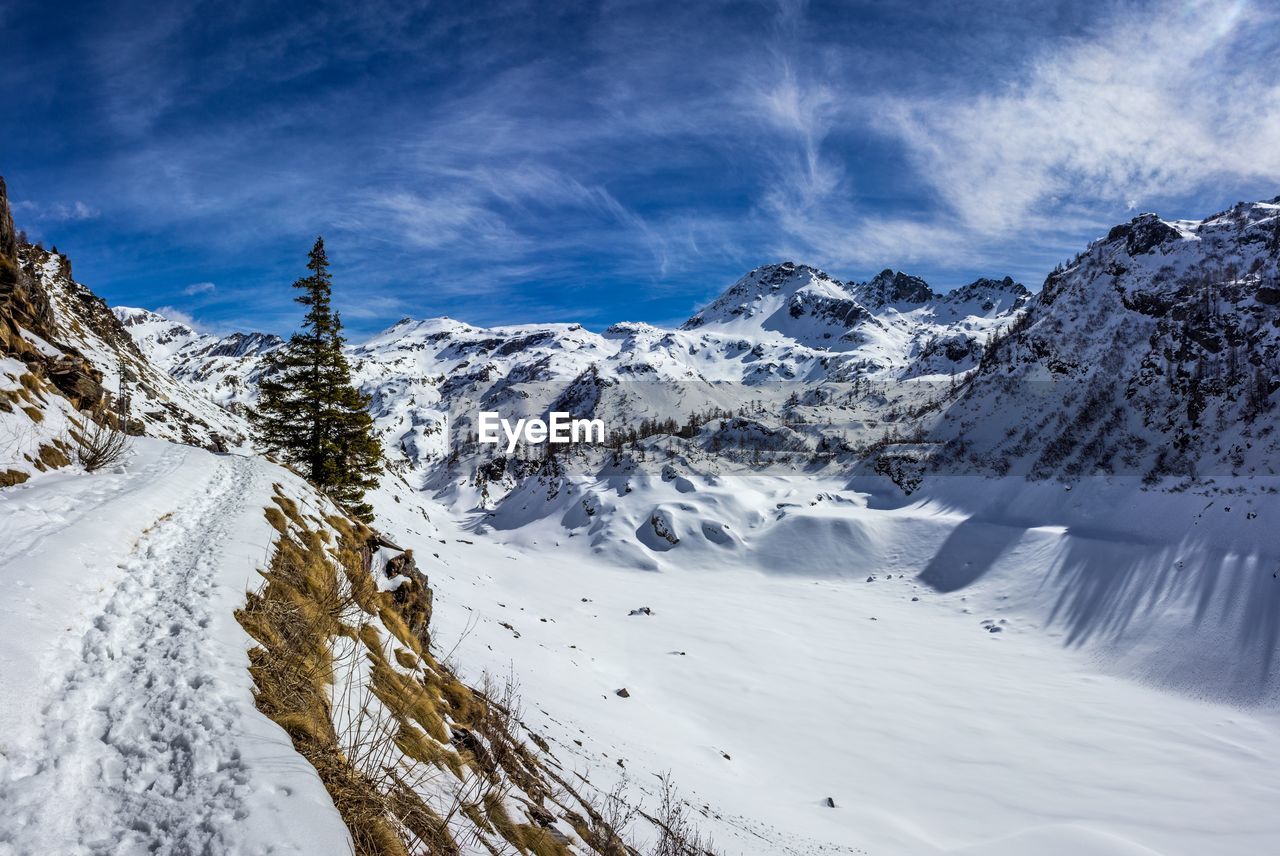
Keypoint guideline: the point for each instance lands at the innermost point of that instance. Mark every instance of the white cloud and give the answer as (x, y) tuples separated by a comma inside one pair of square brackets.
[(440, 219), (173, 313), (1154, 104), (199, 288), (1157, 103), (57, 212), (804, 113), (371, 306)]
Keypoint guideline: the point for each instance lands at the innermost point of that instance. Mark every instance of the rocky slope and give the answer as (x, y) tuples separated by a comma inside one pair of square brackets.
[(65, 360), (1155, 352)]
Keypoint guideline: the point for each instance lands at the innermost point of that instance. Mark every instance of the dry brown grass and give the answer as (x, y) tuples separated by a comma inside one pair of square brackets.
[(607, 822), (52, 456), (294, 619), (416, 762)]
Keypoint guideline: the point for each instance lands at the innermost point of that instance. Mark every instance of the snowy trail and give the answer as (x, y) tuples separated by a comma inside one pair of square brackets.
[(138, 738), (139, 735)]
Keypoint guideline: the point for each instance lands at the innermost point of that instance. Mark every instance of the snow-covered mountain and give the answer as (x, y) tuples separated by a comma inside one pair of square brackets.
[(1155, 352), (779, 328), (224, 368), (884, 321)]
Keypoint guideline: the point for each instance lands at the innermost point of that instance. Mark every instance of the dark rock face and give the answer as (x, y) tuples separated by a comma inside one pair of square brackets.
[(24, 306), (245, 344), (9, 268), (988, 288), (78, 381), (890, 287), (523, 343), (8, 237), (959, 350), (413, 597), (842, 313), (776, 275), (1143, 234)]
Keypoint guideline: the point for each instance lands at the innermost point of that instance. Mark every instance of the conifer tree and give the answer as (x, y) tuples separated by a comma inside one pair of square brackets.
[(309, 413)]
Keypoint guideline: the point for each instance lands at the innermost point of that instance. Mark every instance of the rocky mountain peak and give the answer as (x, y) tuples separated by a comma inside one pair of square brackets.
[(895, 287), (245, 345), (1143, 234), (131, 316), (990, 295), (750, 295)]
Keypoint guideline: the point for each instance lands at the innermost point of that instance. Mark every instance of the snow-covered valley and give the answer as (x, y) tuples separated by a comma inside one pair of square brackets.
[(840, 575), (956, 678)]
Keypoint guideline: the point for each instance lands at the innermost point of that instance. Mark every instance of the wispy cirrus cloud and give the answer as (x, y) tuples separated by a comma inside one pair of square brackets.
[(495, 161), (1147, 107), (1136, 109), (55, 212)]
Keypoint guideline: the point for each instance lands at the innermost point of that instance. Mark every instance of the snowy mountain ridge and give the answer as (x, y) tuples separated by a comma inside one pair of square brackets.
[(224, 368), (777, 326), (991, 374), (1155, 352)]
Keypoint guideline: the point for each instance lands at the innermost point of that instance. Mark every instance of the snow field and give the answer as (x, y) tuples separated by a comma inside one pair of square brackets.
[(977, 718)]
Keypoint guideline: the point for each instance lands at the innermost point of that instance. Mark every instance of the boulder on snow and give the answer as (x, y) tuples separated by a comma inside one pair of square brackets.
[(663, 528)]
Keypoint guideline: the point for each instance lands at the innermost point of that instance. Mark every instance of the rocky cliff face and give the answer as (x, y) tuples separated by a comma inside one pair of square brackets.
[(29, 328), (1155, 352), (8, 235), (64, 353)]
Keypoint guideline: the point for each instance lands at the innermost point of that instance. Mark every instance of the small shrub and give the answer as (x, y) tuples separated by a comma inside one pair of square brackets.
[(102, 441)]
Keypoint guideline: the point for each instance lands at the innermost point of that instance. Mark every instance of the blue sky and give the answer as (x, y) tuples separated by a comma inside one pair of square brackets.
[(598, 162)]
